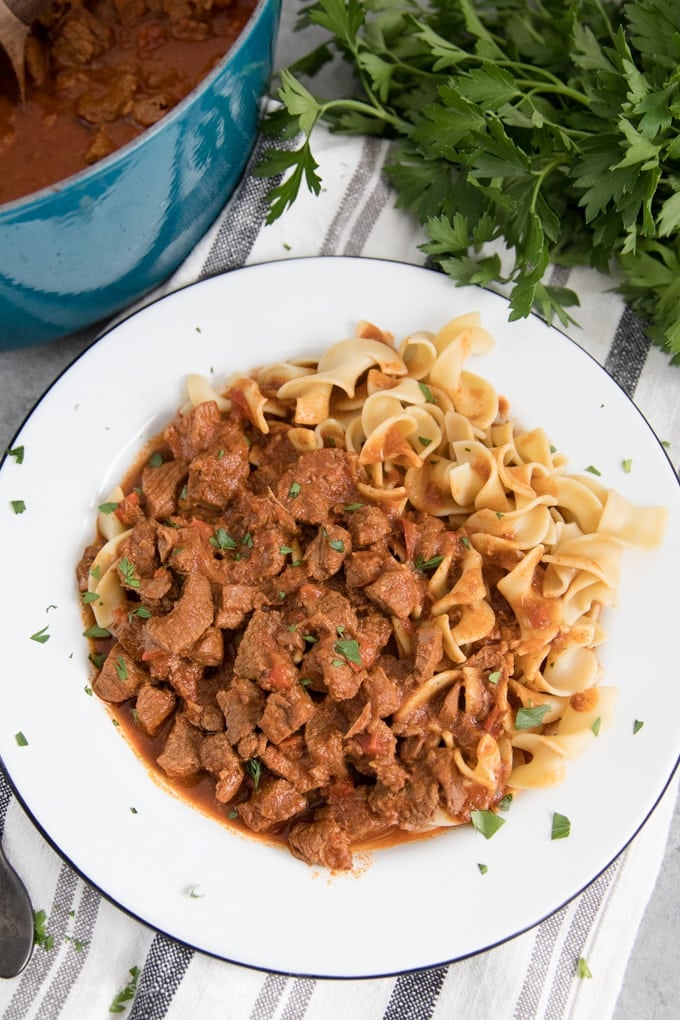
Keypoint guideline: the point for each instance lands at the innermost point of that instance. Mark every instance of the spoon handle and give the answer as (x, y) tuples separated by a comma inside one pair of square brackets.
[(16, 921)]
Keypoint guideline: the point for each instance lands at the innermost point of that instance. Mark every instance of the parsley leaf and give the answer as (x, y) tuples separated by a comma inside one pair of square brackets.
[(527, 718), (127, 993), (561, 826), (349, 649), (486, 822)]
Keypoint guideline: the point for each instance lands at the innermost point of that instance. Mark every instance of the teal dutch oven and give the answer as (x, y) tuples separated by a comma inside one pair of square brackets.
[(79, 251)]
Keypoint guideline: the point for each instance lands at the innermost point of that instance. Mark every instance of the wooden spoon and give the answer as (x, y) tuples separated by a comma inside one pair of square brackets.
[(16, 18)]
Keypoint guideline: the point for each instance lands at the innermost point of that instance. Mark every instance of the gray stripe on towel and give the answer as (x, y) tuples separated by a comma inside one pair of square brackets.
[(628, 352), (243, 219), (369, 159), (589, 903), (534, 982), (78, 947), (164, 967), (268, 999), (414, 996)]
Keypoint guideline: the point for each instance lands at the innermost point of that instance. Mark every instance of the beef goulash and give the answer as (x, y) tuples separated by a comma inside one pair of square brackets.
[(347, 601), (99, 73)]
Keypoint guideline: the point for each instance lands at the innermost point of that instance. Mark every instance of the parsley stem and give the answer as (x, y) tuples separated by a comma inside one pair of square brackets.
[(375, 109)]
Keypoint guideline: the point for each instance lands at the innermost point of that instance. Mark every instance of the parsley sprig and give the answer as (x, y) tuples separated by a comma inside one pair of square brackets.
[(551, 127)]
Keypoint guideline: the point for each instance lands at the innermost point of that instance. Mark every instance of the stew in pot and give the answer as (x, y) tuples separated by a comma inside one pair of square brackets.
[(99, 72)]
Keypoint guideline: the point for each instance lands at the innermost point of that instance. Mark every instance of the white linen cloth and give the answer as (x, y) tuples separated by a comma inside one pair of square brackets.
[(95, 944)]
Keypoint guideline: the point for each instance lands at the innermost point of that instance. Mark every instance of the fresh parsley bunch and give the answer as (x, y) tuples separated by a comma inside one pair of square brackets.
[(548, 125)]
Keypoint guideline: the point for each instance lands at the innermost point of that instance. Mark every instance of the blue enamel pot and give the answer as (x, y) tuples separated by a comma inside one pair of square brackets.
[(81, 250)]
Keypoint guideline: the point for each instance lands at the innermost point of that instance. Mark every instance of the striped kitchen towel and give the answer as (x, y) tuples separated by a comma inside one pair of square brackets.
[(95, 959)]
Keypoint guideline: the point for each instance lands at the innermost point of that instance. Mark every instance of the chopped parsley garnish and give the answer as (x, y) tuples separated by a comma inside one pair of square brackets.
[(637, 725), (526, 717), (627, 465), (40, 936), (108, 508), (582, 969), (18, 506), (97, 659), (127, 571), (310, 638), (505, 802), (140, 611), (222, 540), (337, 544), (121, 669), (294, 490), (88, 690), (486, 822), (195, 894), (232, 814), (89, 596), (18, 453), (349, 649), (483, 868), (255, 769), (127, 993), (427, 393), (561, 826), (494, 677), (422, 565), (285, 550), (95, 572), (593, 470), (96, 632), (41, 636), (351, 507), (20, 739), (466, 542), (156, 459), (424, 441), (595, 725), (220, 454)]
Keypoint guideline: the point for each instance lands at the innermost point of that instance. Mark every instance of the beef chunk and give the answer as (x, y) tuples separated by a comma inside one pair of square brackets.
[(363, 567), (139, 547), (214, 476), (234, 604), (327, 551), (218, 758), (192, 615), (191, 433), (242, 705), (161, 485), (395, 591), (260, 656), (321, 842), (181, 756), (368, 524), (294, 769), (428, 649), (321, 480), (153, 707), (120, 676), (285, 712), (274, 802)]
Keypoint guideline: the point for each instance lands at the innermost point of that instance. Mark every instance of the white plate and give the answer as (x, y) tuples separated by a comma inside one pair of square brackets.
[(413, 906)]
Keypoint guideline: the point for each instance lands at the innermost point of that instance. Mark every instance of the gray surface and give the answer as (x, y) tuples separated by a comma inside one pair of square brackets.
[(651, 989)]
